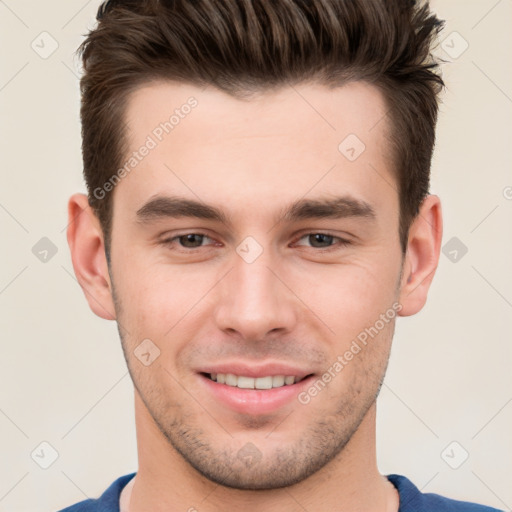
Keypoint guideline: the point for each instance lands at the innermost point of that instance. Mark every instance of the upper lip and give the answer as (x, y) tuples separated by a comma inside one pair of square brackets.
[(255, 371)]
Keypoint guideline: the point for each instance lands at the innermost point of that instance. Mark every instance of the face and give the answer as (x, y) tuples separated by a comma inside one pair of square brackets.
[(251, 250)]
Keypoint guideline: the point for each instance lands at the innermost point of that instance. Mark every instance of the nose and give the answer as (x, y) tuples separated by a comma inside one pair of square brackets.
[(255, 300)]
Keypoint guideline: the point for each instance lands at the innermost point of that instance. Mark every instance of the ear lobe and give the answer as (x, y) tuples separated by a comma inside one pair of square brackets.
[(85, 240), (422, 258)]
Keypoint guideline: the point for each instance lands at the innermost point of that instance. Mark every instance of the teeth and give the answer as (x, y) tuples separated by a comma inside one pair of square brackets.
[(243, 382), (263, 383), (278, 381), (231, 380)]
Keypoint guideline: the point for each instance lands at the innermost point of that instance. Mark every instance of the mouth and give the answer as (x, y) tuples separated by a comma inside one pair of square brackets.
[(261, 383), (262, 393)]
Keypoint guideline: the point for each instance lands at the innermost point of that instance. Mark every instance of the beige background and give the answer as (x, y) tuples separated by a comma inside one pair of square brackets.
[(63, 376)]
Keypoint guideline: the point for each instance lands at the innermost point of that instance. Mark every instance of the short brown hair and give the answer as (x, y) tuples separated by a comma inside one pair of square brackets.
[(243, 46)]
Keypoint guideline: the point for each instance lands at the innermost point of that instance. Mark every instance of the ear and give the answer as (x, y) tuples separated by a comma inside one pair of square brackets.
[(422, 256), (85, 239)]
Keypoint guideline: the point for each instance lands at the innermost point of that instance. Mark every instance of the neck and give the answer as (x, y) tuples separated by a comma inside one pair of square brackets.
[(166, 482)]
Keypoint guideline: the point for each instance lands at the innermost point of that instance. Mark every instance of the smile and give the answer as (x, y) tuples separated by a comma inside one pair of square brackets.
[(245, 382), (254, 388)]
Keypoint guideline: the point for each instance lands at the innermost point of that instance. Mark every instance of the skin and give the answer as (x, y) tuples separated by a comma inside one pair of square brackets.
[(297, 303)]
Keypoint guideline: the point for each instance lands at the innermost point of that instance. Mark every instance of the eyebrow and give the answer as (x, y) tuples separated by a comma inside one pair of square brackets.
[(162, 207)]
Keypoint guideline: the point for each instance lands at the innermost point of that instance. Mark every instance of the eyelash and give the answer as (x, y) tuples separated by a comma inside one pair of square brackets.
[(341, 241)]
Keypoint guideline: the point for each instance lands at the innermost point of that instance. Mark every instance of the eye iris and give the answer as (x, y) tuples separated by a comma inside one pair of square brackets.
[(321, 238), (191, 240)]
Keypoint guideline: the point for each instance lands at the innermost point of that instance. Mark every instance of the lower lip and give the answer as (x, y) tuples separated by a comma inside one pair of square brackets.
[(255, 401)]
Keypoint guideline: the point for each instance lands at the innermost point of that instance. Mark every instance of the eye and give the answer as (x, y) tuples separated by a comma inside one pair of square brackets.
[(188, 240), (193, 241), (323, 240)]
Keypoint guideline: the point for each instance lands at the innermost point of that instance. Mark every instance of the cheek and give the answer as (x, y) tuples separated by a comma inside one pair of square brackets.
[(153, 298), (349, 297)]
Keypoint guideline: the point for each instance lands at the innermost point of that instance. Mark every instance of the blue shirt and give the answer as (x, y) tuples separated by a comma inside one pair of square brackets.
[(411, 499)]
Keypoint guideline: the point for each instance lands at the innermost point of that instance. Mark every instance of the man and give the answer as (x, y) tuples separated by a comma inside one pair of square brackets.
[(258, 216)]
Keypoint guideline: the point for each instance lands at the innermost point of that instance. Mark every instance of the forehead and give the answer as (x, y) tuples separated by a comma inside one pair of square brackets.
[(275, 146), (305, 111)]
